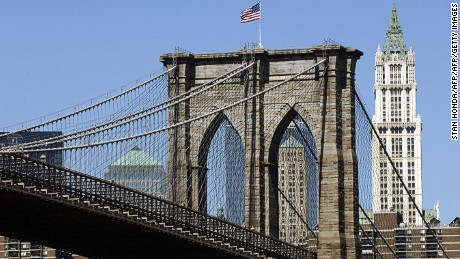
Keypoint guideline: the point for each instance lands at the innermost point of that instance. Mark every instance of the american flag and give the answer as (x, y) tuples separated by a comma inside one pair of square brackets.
[(251, 14)]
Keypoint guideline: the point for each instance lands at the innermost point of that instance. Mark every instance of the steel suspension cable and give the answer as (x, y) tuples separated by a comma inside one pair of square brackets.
[(130, 118), (192, 119), (91, 106)]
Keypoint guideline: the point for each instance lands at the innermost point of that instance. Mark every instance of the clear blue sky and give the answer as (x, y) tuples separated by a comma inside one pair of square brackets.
[(54, 54)]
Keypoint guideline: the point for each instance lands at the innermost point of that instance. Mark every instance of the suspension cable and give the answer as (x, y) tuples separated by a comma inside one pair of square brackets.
[(378, 232), (132, 117), (186, 121), (92, 105)]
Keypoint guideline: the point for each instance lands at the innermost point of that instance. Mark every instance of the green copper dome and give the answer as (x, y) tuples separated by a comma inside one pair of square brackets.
[(136, 157), (394, 42), (291, 142)]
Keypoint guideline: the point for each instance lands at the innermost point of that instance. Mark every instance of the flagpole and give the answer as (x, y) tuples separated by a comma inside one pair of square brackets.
[(260, 26)]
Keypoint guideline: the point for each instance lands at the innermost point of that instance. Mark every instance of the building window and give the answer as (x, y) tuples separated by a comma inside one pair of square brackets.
[(395, 74), (383, 147), (408, 106), (396, 147), (397, 130), (384, 107), (395, 107), (410, 147), (383, 168), (411, 170)]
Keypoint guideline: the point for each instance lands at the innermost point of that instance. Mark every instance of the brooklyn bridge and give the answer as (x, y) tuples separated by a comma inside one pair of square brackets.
[(250, 154)]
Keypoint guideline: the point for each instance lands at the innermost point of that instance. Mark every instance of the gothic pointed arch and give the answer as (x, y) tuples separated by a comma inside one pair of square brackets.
[(221, 172), (293, 145)]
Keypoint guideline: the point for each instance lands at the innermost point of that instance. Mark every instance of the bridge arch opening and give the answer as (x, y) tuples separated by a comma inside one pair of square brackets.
[(221, 163), (293, 152)]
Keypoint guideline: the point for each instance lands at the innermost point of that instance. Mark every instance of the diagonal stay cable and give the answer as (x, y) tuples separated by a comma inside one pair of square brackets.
[(411, 198), (282, 193), (312, 152), (373, 243), (296, 212), (378, 231)]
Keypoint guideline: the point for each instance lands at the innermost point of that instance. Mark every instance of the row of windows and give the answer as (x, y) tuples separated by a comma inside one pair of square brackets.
[(295, 190), (383, 182), (397, 130), (284, 165), (395, 74), (396, 106), (292, 183), (410, 147), (398, 191), (397, 199), (397, 147), (292, 177), (398, 165), (408, 108), (384, 108), (397, 188), (291, 155)]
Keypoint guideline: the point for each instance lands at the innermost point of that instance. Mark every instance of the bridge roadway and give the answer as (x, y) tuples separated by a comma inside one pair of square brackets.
[(92, 217)]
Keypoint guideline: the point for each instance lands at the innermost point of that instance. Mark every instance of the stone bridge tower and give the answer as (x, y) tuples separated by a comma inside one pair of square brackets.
[(328, 109)]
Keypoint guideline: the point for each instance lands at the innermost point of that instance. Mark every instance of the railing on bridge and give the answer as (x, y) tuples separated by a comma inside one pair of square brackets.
[(63, 181)]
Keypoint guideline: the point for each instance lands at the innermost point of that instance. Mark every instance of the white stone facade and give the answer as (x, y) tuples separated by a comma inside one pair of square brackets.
[(399, 127)]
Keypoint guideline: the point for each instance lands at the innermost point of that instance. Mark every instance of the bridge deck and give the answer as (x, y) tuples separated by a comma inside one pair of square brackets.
[(93, 217), (89, 231)]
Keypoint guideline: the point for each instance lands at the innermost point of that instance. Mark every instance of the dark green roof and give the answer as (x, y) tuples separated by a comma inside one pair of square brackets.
[(136, 157), (394, 42), (430, 214), (291, 142)]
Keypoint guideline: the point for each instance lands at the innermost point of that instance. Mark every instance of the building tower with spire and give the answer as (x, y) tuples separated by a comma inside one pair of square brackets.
[(399, 127)]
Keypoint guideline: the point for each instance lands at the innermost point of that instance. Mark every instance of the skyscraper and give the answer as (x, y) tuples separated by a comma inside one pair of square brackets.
[(398, 125), (292, 181)]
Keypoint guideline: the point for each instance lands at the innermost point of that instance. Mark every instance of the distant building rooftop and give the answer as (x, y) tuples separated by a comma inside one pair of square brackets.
[(291, 142), (136, 157), (429, 215)]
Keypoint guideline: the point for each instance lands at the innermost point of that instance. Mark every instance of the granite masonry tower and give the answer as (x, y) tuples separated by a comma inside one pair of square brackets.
[(328, 108)]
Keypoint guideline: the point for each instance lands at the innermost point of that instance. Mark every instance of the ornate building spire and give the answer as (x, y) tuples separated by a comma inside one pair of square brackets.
[(395, 48), (399, 127)]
